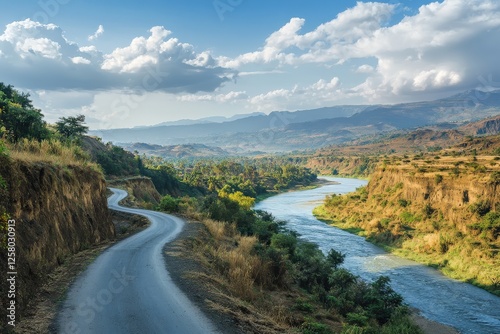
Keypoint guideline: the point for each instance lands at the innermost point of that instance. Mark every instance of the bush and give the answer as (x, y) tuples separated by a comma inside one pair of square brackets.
[(403, 202), (169, 204), (438, 178), (428, 210), (481, 207), (312, 327), (490, 222)]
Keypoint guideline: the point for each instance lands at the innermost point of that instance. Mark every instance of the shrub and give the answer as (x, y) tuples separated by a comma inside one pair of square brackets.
[(403, 202), (438, 178), (495, 177), (428, 210), (312, 327), (169, 204), (481, 207)]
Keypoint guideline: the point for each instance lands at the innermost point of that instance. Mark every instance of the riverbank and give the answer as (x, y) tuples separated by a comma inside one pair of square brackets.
[(231, 314), (319, 182), (440, 299)]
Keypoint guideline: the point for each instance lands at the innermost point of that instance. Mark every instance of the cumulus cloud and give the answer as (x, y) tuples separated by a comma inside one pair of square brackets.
[(97, 34), (321, 44), (446, 46), (33, 52), (365, 69)]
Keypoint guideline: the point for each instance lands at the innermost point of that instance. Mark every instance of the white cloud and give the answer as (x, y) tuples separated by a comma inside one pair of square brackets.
[(80, 60), (311, 96), (221, 98), (446, 46), (33, 52), (365, 69), (321, 44), (97, 34)]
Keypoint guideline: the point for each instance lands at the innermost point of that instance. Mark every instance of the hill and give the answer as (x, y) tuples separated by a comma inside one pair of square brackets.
[(312, 129), (177, 151)]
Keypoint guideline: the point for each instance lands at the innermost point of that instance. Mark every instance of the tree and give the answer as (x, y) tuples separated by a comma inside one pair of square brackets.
[(72, 127), (23, 123)]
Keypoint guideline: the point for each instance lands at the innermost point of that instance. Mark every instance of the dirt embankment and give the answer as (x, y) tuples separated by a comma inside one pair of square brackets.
[(58, 211), (141, 190)]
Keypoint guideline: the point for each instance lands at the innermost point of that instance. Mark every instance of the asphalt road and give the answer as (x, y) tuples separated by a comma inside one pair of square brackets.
[(127, 289)]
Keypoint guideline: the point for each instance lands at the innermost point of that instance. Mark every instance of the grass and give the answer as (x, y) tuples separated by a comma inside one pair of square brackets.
[(51, 151)]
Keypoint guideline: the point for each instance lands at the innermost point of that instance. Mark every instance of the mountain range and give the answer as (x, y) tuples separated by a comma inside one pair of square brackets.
[(285, 131)]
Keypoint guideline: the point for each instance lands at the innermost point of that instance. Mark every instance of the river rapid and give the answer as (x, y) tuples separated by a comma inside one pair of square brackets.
[(465, 307)]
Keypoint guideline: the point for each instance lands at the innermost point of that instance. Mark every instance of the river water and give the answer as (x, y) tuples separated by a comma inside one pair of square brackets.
[(460, 305)]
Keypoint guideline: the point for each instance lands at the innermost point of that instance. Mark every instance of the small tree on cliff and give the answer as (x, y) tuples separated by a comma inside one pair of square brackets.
[(72, 127)]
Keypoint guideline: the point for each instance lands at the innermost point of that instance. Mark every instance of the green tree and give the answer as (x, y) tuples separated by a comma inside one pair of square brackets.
[(169, 204), (18, 118), (72, 127)]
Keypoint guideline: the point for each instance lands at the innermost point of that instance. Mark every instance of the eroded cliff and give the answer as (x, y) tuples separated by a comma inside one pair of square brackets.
[(439, 210), (58, 210)]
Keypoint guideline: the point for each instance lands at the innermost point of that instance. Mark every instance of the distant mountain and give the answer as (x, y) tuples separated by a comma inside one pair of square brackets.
[(177, 151), (205, 120), (311, 129)]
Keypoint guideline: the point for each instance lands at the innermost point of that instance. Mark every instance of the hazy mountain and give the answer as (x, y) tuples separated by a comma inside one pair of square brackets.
[(205, 120), (177, 151), (172, 134), (310, 129)]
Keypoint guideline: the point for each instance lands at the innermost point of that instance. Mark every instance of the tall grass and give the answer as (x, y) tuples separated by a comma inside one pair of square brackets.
[(51, 151)]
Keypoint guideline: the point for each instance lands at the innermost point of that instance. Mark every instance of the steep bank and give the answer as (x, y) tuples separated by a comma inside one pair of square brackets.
[(58, 209), (440, 210), (326, 164), (141, 190)]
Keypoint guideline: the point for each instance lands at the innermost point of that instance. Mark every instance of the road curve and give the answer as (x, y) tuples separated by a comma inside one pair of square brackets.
[(127, 289)]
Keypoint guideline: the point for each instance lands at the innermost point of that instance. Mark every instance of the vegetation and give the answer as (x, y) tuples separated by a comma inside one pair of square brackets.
[(26, 136), (18, 117), (441, 212), (257, 257), (72, 127)]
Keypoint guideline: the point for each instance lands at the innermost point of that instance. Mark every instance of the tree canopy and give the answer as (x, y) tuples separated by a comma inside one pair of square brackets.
[(18, 118), (72, 127)]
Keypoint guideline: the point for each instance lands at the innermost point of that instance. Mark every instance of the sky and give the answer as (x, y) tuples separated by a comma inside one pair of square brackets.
[(134, 63)]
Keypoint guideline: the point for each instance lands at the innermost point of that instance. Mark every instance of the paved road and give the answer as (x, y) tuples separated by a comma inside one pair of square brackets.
[(127, 289)]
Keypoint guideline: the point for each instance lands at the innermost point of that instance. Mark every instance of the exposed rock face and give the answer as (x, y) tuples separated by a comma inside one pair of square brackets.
[(452, 196), (59, 210)]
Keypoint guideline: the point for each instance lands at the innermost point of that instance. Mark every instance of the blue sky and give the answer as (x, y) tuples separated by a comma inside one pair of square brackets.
[(128, 63)]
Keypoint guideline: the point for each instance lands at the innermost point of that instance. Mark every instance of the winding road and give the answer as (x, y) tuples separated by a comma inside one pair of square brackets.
[(127, 289)]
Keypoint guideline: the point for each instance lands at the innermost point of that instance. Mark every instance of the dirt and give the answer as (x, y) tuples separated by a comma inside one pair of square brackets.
[(186, 271)]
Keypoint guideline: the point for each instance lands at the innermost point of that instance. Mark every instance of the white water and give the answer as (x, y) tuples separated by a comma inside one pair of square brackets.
[(463, 306)]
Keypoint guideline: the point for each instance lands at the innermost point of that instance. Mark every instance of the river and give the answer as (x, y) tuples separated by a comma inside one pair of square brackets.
[(460, 305)]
